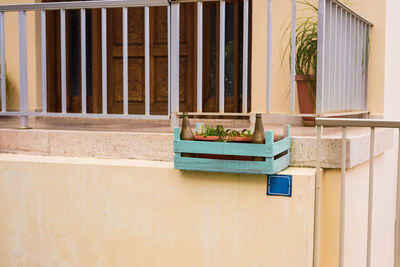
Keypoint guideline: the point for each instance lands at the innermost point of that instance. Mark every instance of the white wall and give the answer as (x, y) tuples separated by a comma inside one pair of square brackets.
[(392, 86)]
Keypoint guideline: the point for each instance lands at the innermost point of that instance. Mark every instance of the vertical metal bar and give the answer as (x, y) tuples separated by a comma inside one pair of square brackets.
[(83, 59), (328, 65), (104, 59), (317, 198), (340, 60), (222, 56), (23, 68), (358, 67), (342, 199), (349, 56), (200, 56), (353, 102), (366, 65), (370, 193), (320, 57), (63, 63), (344, 57), (169, 58), (335, 61), (125, 58), (147, 59), (3, 64), (245, 54), (362, 80), (44, 59), (293, 58), (269, 57), (174, 64), (397, 221)]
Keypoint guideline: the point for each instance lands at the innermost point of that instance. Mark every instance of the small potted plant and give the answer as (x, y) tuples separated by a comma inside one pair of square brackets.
[(219, 134), (306, 60), (243, 136)]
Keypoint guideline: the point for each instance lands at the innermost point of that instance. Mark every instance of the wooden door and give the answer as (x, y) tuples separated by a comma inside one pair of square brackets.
[(233, 56), (158, 60), (73, 60)]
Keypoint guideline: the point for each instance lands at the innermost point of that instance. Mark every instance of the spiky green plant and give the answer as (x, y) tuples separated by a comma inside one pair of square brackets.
[(306, 46)]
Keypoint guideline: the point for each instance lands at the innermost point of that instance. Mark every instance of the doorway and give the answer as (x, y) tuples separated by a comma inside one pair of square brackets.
[(158, 59)]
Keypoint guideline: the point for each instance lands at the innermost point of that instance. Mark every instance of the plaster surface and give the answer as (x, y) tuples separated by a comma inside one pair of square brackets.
[(61, 211)]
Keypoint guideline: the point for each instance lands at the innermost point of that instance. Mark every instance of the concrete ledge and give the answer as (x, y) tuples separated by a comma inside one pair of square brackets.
[(357, 148), (159, 146)]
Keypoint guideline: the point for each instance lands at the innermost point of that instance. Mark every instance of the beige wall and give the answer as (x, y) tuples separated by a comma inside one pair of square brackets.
[(91, 212), (372, 10), (357, 214), (392, 92), (12, 54)]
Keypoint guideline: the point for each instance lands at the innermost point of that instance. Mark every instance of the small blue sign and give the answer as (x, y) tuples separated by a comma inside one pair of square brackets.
[(279, 185)]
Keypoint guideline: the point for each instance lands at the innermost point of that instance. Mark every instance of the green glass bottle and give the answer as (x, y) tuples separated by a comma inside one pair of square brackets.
[(258, 135), (186, 132)]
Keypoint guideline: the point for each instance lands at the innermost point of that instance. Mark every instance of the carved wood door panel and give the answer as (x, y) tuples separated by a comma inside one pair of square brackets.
[(158, 60)]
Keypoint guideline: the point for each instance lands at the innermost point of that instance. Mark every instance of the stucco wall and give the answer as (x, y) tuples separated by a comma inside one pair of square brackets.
[(91, 212), (356, 215), (392, 92)]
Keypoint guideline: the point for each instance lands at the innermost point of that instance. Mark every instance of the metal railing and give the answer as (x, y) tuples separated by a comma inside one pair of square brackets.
[(173, 57), (344, 123), (341, 81), (342, 64)]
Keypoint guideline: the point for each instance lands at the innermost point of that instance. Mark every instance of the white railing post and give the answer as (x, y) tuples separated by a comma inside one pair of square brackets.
[(370, 193), (3, 64), (293, 58), (200, 56), (104, 59), (63, 63), (147, 60), (245, 54), (317, 197), (320, 57), (222, 56), (125, 59), (174, 44), (44, 59), (23, 68), (83, 60), (397, 220)]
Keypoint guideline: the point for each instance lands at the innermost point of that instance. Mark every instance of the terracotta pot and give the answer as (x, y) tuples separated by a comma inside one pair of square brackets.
[(240, 139), (205, 138), (306, 103)]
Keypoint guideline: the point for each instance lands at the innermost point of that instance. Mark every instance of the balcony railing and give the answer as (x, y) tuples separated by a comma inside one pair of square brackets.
[(342, 67), (342, 58), (344, 124)]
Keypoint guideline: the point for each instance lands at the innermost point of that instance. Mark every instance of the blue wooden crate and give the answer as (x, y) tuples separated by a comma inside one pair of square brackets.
[(267, 150)]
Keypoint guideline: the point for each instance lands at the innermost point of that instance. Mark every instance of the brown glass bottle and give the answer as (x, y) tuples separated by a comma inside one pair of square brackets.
[(186, 132), (258, 135)]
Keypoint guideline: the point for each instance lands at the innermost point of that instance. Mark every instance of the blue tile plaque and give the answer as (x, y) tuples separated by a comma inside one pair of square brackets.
[(279, 185)]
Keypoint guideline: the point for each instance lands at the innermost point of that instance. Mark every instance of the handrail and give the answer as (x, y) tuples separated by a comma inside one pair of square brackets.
[(84, 5), (357, 123), (344, 123), (348, 9)]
